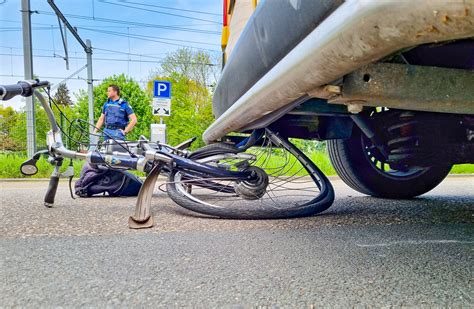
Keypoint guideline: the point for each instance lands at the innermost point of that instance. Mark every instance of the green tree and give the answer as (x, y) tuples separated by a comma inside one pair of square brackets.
[(13, 128), (139, 100), (194, 65), (8, 125), (191, 109), (190, 73), (62, 95)]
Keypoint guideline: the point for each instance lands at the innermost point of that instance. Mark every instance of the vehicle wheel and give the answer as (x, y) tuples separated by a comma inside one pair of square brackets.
[(362, 171), (288, 184)]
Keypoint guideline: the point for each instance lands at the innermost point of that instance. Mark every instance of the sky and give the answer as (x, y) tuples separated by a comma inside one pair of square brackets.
[(128, 36)]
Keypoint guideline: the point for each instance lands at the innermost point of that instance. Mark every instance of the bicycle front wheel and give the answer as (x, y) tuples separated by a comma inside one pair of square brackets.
[(288, 184)]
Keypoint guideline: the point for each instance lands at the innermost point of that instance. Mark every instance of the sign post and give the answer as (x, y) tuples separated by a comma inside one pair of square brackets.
[(161, 106)]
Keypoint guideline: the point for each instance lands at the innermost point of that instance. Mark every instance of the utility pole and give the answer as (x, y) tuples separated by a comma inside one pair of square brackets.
[(90, 88), (88, 49), (28, 68)]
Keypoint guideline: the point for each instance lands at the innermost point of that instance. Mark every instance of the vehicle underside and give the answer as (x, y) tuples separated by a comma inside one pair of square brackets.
[(396, 109)]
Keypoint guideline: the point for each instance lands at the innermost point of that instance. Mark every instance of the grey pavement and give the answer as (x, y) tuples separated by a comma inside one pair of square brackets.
[(363, 251)]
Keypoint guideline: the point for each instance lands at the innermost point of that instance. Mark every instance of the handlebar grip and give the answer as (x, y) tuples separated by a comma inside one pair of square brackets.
[(9, 91), (51, 193), (22, 88)]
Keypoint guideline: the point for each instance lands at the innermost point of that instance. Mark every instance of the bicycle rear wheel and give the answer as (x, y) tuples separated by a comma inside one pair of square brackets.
[(288, 183)]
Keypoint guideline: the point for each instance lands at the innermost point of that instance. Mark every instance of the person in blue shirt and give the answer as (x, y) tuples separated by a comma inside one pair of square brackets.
[(117, 115)]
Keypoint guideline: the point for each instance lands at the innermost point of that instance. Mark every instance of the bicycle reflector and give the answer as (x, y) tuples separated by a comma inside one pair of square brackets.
[(28, 167)]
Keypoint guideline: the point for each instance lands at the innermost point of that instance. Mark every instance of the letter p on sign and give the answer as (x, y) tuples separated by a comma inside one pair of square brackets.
[(161, 89)]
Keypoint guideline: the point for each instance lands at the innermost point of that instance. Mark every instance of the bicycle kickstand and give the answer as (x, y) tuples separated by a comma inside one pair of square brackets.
[(142, 218)]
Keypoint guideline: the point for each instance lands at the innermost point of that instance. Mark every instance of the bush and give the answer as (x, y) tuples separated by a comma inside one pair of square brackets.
[(11, 166), (191, 110)]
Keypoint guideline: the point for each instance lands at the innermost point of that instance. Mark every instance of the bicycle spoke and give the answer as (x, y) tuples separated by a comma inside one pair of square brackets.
[(290, 184)]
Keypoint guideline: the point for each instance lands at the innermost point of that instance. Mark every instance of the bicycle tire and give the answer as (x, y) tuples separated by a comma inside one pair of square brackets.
[(249, 210)]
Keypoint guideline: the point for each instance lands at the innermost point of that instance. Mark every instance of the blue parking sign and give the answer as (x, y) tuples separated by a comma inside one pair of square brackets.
[(161, 89)]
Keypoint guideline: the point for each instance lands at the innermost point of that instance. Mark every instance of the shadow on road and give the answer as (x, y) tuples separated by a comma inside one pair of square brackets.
[(365, 209)]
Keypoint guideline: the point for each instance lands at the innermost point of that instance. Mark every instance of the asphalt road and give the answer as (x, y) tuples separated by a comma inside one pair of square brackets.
[(363, 251)]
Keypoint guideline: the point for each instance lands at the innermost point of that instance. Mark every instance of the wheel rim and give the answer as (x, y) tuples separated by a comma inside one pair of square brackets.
[(292, 183), (377, 162)]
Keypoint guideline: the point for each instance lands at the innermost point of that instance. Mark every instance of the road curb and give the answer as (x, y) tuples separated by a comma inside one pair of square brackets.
[(66, 179)]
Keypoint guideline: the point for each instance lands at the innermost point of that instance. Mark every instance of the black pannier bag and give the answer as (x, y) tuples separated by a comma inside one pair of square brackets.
[(100, 180)]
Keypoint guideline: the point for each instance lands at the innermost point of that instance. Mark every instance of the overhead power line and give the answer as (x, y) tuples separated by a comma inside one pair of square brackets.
[(137, 37), (65, 77), (149, 36), (107, 51), (153, 39), (170, 8), (124, 22), (69, 77), (126, 53), (108, 26), (19, 22), (12, 29), (131, 35), (109, 59), (121, 4)]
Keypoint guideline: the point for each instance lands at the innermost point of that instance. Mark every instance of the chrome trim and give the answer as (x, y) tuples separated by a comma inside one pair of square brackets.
[(357, 33), (89, 157), (141, 163), (119, 154), (162, 158), (153, 155)]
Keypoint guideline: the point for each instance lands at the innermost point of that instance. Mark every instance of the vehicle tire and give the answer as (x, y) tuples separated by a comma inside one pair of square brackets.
[(286, 195), (352, 162)]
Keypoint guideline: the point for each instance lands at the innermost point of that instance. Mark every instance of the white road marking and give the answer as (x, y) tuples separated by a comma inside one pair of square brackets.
[(416, 242)]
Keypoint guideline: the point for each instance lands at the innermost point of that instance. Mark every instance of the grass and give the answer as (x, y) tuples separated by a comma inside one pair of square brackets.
[(463, 169), (290, 166), (322, 161), (10, 166)]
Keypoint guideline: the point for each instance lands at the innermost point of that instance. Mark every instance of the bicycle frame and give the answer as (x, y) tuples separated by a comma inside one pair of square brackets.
[(158, 158)]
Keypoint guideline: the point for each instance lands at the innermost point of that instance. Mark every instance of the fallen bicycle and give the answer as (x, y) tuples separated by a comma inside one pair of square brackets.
[(259, 176)]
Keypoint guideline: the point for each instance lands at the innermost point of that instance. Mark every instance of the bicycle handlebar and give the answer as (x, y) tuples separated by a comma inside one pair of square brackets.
[(57, 149), (23, 88)]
